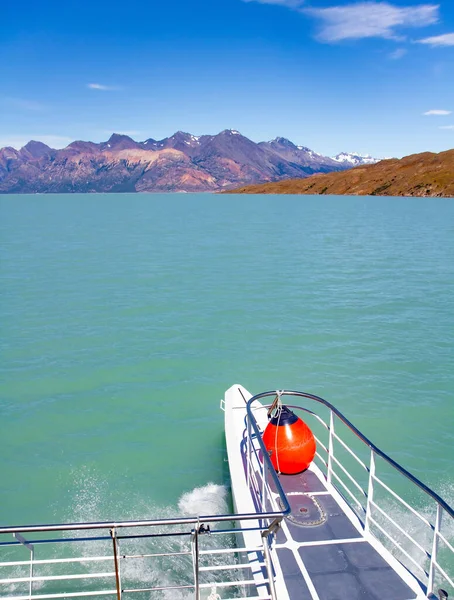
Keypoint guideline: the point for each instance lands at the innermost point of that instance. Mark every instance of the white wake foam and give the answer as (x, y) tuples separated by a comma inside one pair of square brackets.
[(421, 533), (92, 502), (211, 499)]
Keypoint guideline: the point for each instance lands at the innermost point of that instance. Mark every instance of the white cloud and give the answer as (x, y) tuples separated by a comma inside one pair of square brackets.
[(19, 141), (447, 127), (398, 53), (438, 113), (371, 19), (446, 39), (102, 88)]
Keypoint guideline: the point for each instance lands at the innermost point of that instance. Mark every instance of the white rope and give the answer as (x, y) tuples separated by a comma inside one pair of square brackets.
[(278, 415)]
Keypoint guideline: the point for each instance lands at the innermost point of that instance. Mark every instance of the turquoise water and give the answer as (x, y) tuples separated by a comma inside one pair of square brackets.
[(125, 317)]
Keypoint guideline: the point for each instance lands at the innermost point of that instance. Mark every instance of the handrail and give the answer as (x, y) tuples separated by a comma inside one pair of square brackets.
[(266, 458), (144, 523), (246, 516), (224, 570), (358, 433), (267, 521)]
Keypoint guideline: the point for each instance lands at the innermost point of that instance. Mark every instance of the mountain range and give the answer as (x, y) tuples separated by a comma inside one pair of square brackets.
[(426, 174), (180, 163)]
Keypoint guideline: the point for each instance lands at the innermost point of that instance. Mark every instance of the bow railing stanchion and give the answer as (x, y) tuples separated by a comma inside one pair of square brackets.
[(271, 528), (116, 563), (30, 547), (370, 490), (195, 560), (269, 565), (248, 450), (330, 447), (31, 572), (433, 556)]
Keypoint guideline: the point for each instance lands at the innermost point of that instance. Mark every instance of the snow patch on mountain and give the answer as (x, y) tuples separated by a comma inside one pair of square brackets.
[(355, 159), (309, 151)]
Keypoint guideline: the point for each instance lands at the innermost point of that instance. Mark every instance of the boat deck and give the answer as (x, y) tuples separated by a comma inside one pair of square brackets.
[(320, 549)]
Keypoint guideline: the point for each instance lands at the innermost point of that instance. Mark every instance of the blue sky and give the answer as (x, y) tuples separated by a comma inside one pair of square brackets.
[(333, 75)]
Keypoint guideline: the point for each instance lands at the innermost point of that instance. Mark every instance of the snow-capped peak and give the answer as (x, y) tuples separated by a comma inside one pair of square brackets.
[(231, 132), (308, 151), (355, 159)]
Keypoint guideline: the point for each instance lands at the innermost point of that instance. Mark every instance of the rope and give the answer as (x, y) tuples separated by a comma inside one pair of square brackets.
[(278, 403)]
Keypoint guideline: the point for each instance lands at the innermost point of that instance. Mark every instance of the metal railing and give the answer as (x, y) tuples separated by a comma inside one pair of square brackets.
[(106, 572), (97, 580), (110, 581), (371, 507)]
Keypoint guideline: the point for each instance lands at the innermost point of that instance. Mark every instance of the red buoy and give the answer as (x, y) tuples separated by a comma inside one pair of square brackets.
[(290, 442)]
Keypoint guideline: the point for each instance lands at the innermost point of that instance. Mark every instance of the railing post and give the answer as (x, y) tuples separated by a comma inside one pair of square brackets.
[(30, 547), (248, 451), (32, 553), (330, 447), (269, 565), (370, 490), (433, 556), (195, 561), (263, 487), (117, 568)]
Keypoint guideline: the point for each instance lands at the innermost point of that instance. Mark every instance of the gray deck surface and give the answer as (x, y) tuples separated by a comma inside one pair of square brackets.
[(339, 571)]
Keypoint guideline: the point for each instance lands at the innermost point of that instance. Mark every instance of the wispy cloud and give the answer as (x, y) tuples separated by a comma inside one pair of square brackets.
[(367, 20), (19, 141), (447, 127), (371, 19), (437, 112), (447, 39), (102, 88), (398, 53)]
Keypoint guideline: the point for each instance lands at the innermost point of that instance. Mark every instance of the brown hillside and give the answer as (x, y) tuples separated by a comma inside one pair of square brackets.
[(425, 174)]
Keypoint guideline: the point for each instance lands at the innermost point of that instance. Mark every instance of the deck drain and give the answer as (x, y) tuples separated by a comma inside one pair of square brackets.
[(306, 510)]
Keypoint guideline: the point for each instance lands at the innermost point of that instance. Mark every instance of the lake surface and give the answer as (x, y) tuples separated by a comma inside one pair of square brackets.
[(125, 317)]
